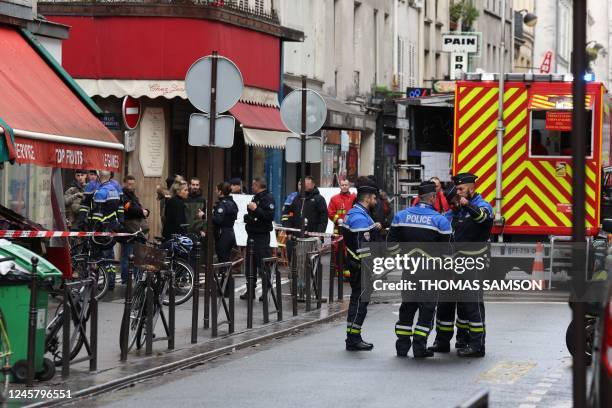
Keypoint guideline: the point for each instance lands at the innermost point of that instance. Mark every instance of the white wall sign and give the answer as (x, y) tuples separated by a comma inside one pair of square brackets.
[(459, 63), (460, 43), (152, 142), (242, 200)]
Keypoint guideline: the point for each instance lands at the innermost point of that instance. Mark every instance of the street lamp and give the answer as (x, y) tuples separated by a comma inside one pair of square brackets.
[(529, 19)]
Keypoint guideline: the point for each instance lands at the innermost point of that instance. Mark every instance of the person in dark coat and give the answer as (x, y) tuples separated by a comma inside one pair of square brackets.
[(224, 216), (175, 211), (135, 219), (313, 212)]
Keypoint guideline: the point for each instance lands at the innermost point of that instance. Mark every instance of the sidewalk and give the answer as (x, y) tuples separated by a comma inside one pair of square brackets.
[(112, 373)]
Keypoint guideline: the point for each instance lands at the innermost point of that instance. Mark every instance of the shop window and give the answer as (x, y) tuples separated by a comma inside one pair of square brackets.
[(551, 133), (26, 189)]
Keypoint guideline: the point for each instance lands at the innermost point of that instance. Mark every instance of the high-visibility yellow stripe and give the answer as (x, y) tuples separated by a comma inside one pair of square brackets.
[(515, 122), (520, 152), (590, 173), (509, 178), (526, 201), (444, 328), (487, 132), (466, 116), (420, 333), (525, 218), (551, 172), (517, 137), (482, 153), (468, 98), (509, 92), (518, 190), (518, 102), (477, 329), (403, 333)]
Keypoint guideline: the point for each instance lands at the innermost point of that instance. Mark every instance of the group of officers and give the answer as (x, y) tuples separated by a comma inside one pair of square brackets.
[(469, 220)]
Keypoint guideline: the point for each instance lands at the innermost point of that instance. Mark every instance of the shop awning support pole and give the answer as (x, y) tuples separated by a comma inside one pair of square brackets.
[(500, 123), (579, 66)]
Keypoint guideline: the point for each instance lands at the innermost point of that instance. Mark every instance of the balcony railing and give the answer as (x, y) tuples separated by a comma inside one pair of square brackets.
[(241, 7)]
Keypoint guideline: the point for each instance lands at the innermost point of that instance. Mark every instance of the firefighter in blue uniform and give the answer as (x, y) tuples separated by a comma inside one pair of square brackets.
[(472, 222), (357, 230), (418, 224), (84, 217)]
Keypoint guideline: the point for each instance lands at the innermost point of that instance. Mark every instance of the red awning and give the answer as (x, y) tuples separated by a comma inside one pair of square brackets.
[(262, 125), (52, 127)]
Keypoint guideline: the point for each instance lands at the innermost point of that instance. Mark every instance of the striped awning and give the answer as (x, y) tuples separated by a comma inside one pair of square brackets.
[(556, 102)]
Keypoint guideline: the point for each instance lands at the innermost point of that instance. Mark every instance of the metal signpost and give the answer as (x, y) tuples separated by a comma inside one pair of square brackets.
[(303, 112), (213, 84)]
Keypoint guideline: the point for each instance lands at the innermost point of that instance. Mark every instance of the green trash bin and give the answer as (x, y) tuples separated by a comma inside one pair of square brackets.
[(15, 305)]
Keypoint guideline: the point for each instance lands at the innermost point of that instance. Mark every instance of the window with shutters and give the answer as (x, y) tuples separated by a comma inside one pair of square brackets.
[(259, 6)]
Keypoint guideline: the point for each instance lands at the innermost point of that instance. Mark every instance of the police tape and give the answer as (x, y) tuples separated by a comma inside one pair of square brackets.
[(58, 234), (310, 234)]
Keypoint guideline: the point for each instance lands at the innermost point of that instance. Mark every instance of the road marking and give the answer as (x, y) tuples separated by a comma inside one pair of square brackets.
[(539, 391), (544, 384), (532, 398), (506, 372), (527, 406)]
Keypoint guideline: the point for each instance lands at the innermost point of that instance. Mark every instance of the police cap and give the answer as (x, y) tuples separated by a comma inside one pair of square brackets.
[(367, 189), (427, 187), (464, 178), (450, 193), (235, 181)]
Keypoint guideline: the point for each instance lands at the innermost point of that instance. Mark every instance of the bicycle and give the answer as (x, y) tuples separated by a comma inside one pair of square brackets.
[(5, 359), (81, 253), (178, 248)]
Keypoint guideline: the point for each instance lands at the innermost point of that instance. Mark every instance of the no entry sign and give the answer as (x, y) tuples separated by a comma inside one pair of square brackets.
[(131, 112)]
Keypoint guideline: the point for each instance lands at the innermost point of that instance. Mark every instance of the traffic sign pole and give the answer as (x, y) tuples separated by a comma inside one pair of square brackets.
[(208, 287), (303, 156)]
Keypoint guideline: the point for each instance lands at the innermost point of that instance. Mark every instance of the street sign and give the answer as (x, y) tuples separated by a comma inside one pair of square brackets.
[(459, 63), (199, 130), (198, 84), (291, 111), (129, 140), (132, 112), (293, 149), (460, 43)]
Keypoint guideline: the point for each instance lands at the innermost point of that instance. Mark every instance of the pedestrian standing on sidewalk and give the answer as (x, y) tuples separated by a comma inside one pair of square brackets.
[(258, 220), (73, 197), (175, 211), (311, 210), (135, 220), (357, 231), (195, 202), (339, 206)]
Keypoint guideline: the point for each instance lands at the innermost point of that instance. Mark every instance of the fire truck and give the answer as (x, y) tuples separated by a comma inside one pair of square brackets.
[(536, 158)]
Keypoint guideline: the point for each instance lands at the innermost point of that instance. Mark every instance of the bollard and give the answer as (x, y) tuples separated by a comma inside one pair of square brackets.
[(341, 270), (208, 285), (250, 283), (149, 321), (93, 328), (294, 278), (171, 310), (195, 297), (308, 279), (232, 295), (332, 270), (125, 322), (319, 277), (66, 332), (32, 323), (213, 302), (264, 291), (279, 296)]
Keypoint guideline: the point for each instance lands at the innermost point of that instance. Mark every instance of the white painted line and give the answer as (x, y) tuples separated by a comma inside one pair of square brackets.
[(532, 398), (544, 385), (555, 375), (539, 391), (527, 406)]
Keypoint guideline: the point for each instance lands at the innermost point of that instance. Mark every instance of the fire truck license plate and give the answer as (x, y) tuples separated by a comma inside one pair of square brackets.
[(520, 251)]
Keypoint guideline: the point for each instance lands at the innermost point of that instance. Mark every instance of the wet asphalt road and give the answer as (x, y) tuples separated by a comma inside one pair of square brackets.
[(526, 366)]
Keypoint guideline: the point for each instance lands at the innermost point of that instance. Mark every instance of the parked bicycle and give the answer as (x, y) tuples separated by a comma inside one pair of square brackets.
[(5, 359), (82, 253)]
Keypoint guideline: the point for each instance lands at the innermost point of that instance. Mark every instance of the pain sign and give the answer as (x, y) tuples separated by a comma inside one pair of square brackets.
[(460, 43)]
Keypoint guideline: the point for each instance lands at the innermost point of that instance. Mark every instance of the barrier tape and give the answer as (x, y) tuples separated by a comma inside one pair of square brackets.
[(58, 234), (312, 234)]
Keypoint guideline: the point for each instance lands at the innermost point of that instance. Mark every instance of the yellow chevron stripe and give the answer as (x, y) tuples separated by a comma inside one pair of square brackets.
[(516, 121), (518, 190), (484, 184), (488, 132), (561, 181), (552, 188), (526, 218), (510, 161), (590, 173), (488, 115), (519, 101), (518, 136), (509, 93), (481, 154), (468, 98), (466, 116)]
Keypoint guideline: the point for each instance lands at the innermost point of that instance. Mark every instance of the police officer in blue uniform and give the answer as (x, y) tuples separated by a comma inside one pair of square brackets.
[(358, 232), (418, 224), (472, 222), (84, 216), (225, 213)]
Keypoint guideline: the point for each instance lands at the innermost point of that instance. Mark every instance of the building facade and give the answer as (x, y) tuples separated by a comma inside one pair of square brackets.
[(523, 37), (488, 23)]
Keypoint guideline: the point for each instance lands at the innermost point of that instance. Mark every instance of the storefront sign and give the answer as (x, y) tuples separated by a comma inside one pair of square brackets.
[(417, 93), (152, 142), (66, 156), (444, 87), (559, 120), (111, 120), (460, 43)]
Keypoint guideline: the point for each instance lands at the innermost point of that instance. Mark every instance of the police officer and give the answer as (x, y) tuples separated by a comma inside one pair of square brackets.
[(472, 223), (357, 230), (258, 220), (421, 223), (225, 213), (84, 216)]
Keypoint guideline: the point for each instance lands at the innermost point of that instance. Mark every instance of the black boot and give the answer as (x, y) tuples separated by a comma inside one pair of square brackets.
[(419, 347), (245, 295), (440, 346), (471, 351), (357, 344), (460, 345), (402, 347)]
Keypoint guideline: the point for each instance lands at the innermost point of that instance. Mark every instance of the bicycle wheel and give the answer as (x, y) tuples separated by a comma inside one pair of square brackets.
[(104, 271), (55, 336), (183, 283), (5, 359), (160, 289), (136, 314)]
